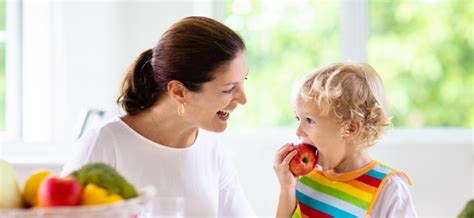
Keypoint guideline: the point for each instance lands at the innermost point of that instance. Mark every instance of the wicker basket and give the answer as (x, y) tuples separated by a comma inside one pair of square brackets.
[(126, 209)]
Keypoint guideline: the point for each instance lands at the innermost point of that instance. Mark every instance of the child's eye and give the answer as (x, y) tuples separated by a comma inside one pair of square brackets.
[(309, 121), (297, 118), (229, 91)]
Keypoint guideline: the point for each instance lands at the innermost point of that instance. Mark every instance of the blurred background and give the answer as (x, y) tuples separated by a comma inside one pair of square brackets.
[(61, 63)]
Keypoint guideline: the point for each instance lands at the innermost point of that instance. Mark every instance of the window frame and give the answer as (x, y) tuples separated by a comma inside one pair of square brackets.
[(31, 68), (13, 75), (354, 24)]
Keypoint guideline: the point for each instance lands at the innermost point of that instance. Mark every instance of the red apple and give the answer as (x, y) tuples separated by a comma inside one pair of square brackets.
[(55, 191), (304, 161)]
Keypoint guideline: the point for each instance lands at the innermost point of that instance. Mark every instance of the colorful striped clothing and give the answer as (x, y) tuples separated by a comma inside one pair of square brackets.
[(353, 194)]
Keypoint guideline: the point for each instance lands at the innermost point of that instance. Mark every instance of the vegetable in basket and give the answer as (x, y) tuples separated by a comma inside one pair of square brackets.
[(105, 177), (94, 195), (10, 194)]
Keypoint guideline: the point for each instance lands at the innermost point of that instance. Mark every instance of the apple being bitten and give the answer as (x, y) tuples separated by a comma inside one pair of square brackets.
[(304, 161), (55, 191)]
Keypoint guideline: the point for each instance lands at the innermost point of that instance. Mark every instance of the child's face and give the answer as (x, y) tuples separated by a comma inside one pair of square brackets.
[(322, 132)]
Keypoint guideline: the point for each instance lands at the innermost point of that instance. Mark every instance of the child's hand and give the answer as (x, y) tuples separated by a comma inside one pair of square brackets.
[(282, 166)]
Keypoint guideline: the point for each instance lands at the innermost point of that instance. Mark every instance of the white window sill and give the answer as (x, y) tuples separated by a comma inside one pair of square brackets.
[(40, 154)]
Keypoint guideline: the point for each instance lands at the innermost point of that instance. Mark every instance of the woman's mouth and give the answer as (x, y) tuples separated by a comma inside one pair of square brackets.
[(223, 114)]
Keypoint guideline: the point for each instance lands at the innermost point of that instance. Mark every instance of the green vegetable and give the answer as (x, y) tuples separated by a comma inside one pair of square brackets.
[(105, 177), (468, 211)]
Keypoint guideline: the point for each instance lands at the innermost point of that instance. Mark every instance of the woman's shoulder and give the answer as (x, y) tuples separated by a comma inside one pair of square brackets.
[(104, 128), (95, 145), (99, 137)]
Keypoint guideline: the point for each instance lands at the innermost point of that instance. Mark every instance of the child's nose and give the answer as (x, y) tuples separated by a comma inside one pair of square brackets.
[(300, 132)]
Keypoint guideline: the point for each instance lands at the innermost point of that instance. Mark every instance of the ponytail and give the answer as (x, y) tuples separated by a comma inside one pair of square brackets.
[(139, 89)]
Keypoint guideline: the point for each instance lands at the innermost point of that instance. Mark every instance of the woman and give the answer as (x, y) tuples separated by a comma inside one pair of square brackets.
[(176, 96)]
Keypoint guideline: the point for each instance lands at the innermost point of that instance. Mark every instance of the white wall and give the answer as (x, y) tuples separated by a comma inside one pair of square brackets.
[(75, 54), (101, 40)]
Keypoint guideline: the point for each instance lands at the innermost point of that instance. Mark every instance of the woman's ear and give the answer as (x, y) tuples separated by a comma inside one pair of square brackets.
[(177, 90)]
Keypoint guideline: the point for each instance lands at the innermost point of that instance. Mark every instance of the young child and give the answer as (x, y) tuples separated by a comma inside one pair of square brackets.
[(342, 111)]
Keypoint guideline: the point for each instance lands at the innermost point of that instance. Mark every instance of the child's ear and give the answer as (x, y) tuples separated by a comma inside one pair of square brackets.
[(177, 91), (353, 130)]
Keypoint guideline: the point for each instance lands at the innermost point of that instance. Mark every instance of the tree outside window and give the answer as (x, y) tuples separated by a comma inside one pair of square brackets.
[(424, 50), (284, 39)]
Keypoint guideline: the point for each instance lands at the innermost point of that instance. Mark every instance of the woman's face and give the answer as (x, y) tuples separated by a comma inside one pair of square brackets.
[(321, 132), (212, 106)]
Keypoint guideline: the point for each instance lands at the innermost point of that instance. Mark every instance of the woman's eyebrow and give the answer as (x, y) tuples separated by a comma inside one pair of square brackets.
[(232, 83)]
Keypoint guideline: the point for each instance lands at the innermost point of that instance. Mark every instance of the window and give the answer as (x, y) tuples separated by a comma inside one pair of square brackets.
[(2, 65), (412, 44), (426, 44), (10, 93), (284, 39), (27, 67)]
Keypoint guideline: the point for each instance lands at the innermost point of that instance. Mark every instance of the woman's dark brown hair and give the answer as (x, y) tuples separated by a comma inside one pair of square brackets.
[(190, 51)]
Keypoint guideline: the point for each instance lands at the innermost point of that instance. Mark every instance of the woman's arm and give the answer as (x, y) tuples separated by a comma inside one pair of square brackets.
[(232, 201)]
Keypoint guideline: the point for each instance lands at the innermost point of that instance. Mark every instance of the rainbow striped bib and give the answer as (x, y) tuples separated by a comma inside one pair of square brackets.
[(341, 195)]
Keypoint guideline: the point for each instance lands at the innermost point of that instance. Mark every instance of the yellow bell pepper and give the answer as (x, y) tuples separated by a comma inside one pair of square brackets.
[(95, 195)]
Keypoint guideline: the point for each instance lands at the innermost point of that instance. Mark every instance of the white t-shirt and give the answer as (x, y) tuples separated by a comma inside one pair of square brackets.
[(201, 175), (394, 200)]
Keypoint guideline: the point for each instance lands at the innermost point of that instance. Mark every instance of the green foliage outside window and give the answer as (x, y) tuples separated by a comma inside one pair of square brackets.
[(2, 86), (284, 41), (2, 15), (422, 49), (2, 67), (425, 53)]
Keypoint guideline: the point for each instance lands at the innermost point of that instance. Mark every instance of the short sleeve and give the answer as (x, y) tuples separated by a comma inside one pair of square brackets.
[(232, 199), (394, 200), (96, 145)]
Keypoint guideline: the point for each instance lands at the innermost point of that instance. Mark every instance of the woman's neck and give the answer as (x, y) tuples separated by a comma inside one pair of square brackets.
[(162, 125)]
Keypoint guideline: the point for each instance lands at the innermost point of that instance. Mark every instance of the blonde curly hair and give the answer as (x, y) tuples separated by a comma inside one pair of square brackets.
[(350, 91)]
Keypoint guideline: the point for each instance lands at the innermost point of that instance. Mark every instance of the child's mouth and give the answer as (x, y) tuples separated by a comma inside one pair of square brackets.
[(312, 145)]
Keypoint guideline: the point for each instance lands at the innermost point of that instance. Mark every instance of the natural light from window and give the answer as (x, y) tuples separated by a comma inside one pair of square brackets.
[(284, 40), (2, 65), (429, 79)]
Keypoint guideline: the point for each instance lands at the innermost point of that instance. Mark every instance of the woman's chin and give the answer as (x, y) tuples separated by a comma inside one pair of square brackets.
[(216, 128)]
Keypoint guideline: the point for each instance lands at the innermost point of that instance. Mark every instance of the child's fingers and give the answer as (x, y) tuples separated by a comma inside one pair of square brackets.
[(288, 158), (282, 152), (284, 147)]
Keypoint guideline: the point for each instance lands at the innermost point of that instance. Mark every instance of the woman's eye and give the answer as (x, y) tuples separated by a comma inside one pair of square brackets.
[(297, 118), (309, 120), (229, 91)]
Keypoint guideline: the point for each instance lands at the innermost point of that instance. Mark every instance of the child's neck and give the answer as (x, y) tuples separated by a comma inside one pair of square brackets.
[(354, 161)]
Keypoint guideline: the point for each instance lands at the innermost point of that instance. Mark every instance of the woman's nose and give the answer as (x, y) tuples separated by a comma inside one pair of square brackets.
[(241, 98)]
